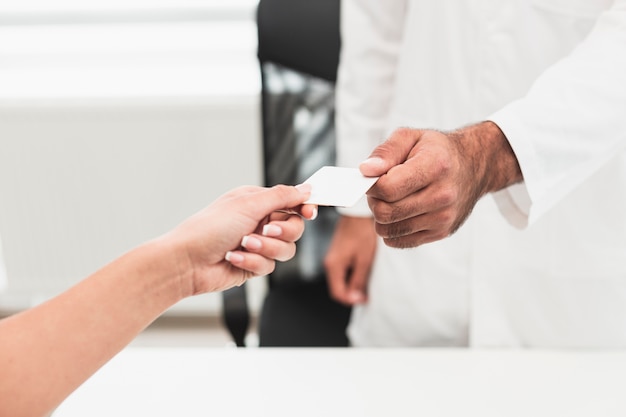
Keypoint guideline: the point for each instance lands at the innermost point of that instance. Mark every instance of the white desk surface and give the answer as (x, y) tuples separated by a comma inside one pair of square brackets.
[(189, 382)]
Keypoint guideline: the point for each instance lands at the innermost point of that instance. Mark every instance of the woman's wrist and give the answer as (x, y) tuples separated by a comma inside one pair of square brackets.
[(171, 263)]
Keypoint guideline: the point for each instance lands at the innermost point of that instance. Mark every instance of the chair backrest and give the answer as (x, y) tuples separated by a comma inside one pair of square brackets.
[(302, 35), (298, 49)]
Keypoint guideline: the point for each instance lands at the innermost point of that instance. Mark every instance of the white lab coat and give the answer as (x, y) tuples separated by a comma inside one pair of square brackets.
[(3, 276), (540, 264)]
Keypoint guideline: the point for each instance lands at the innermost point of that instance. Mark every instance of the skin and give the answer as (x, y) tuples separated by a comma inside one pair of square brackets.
[(430, 181), (349, 259), (48, 351)]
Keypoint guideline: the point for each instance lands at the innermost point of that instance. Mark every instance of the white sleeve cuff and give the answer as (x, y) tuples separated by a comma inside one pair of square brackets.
[(514, 204), (360, 209)]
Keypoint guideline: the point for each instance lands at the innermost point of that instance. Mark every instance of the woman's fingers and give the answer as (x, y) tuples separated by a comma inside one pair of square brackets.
[(254, 263), (270, 248)]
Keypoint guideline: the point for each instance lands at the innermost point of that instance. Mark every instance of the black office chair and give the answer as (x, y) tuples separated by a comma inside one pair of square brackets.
[(298, 50)]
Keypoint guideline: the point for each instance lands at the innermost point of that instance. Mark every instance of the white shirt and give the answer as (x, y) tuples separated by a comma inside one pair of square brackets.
[(552, 75), (3, 277)]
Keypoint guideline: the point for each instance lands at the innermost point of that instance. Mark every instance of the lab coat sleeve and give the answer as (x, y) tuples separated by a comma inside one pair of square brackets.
[(571, 122), (371, 37), (3, 276)]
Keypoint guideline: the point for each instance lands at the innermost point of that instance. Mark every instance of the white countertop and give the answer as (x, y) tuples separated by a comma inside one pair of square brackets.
[(353, 382)]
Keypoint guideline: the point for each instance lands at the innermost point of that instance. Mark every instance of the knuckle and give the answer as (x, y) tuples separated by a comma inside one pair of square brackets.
[(393, 230), (282, 189), (382, 230), (444, 217), (379, 194), (383, 212), (401, 229), (402, 132), (388, 193), (446, 197), (443, 164)]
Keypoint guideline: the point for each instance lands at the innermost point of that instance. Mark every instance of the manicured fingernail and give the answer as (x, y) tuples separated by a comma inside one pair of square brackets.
[(250, 242), (304, 188), (234, 258), (272, 230), (314, 215)]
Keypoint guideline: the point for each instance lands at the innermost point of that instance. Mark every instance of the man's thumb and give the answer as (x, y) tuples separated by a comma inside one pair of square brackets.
[(394, 151)]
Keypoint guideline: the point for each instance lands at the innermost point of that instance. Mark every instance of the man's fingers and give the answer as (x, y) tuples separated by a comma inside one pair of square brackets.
[(413, 240), (357, 291), (401, 181), (392, 152), (337, 282)]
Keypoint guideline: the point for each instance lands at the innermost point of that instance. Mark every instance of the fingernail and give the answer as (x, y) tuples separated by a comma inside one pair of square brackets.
[(374, 162), (314, 215), (272, 230), (304, 188), (234, 258), (250, 242), (356, 296)]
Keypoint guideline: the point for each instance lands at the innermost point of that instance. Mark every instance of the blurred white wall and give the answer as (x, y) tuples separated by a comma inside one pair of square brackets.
[(116, 122)]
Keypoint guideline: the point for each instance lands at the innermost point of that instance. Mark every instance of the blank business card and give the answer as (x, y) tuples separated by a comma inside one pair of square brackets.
[(339, 187)]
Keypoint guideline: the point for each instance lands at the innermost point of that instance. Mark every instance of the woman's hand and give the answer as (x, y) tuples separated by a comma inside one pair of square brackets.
[(239, 236)]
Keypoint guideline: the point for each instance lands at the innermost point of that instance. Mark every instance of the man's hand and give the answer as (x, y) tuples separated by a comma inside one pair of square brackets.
[(430, 181), (349, 259)]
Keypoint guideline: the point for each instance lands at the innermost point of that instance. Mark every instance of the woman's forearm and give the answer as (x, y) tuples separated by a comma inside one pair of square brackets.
[(55, 346), (48, 351)]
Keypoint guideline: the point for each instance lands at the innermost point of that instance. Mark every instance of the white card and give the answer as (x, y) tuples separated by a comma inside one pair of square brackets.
[(336, 186)]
